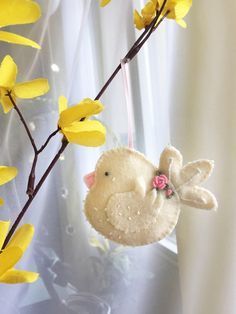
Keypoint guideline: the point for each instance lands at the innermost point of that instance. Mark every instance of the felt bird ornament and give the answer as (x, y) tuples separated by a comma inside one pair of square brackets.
[(133, 202)]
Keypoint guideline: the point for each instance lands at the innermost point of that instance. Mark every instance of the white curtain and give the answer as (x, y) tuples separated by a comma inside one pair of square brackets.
[(182, 90), (203, 126)]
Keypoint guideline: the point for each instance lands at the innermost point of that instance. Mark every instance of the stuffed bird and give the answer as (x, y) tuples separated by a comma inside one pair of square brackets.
[(133, 202)]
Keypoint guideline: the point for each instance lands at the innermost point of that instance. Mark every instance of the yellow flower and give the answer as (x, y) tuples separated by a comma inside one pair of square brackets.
[(76, 127), (103, 3), (177, 11), (13, 253), (138, 20), (148, 13), (6, 174), (29, 89), (14, 12)]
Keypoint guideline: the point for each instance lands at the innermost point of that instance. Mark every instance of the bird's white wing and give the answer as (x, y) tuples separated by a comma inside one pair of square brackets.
[(130, 212)]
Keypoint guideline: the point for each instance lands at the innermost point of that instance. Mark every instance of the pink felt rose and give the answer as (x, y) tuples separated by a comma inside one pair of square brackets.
[(160, 182)]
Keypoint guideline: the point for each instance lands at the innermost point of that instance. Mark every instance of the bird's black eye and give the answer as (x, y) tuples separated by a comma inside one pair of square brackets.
[(82, 119), (106, 173)]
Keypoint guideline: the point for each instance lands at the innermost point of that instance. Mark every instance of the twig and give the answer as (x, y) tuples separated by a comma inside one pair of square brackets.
[(150, 33), (22, 120), (31, 180), (136, 47), (37, 188), (48, 140)]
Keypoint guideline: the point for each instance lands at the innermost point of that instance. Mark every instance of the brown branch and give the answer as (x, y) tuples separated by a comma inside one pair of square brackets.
[(37, 188), (136, 46), (31, 180), (48, 140), (22, 120), (153, 28)]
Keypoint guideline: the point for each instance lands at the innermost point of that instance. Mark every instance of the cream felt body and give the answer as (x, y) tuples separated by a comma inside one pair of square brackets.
[(123, 205)]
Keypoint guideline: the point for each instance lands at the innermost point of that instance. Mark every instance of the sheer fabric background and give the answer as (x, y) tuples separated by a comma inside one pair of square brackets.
[(181, 81)]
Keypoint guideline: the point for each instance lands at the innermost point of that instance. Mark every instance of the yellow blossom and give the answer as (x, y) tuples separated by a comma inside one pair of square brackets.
[(15, 12), (13, 252), (138, 20), (76, 127), (6, 174), (103, 3), (177, 9), (29, 89), (148, 13)]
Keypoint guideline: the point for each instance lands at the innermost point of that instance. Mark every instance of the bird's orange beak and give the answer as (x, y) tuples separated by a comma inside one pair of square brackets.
[(89, 179)]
